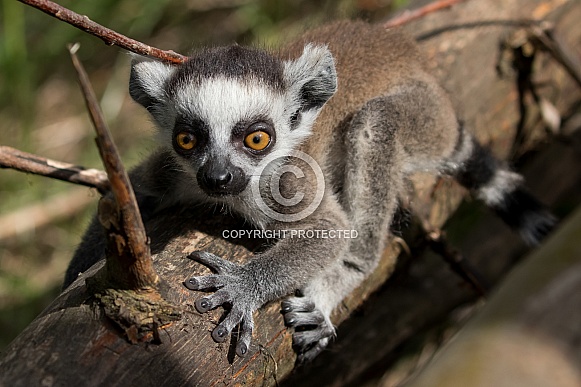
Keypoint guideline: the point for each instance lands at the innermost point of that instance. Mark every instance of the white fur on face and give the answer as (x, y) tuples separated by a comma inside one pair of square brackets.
[(223, 102)]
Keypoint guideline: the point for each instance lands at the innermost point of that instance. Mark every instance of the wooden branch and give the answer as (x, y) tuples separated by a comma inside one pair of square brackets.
[(111, 37), (458, 263), (409, 16), (107, 35), (27, 162), (129, 266), (545, 36)]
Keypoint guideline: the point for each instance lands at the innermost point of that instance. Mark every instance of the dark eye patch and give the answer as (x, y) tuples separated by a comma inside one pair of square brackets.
[(241, 129), (242, 135), (194, 125)]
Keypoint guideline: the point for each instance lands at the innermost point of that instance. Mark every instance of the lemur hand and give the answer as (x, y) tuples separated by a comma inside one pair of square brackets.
[(313, 329), (234, 286)]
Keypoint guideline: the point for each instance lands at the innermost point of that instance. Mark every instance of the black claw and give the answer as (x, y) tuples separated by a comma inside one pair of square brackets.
[(203, 305), (290, 321), (219, 334), (242, 349), (309, 354), (192, 284), (286, 307), (302, 306), (194, 255)]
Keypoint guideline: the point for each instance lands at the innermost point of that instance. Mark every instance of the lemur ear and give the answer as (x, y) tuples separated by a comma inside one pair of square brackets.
[(312, 76), (147, 79)]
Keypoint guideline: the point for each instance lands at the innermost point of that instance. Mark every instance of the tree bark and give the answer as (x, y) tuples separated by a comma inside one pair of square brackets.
[(72, 342)]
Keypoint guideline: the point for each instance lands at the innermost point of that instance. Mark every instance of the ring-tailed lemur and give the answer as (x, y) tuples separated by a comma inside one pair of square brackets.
[(350, 104)]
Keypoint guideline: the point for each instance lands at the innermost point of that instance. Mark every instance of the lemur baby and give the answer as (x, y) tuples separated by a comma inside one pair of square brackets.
[(337, 118)]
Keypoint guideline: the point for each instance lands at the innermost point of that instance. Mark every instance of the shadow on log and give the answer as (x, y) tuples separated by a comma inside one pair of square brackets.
[(72, 342)]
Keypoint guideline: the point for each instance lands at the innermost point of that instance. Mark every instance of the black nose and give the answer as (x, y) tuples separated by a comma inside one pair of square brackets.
[(219, 179)]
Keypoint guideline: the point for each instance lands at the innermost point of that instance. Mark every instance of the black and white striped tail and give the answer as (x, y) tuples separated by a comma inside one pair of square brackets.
[(502, 190), (522, 212)]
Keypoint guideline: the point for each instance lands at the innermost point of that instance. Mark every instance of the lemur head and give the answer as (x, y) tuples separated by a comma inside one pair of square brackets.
[(227, 108)]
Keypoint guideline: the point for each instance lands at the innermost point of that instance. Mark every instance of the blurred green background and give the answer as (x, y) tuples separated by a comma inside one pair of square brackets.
[(42, 111)]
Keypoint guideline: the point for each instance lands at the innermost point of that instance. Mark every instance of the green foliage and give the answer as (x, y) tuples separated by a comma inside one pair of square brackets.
[(397, 4), (14, 65)]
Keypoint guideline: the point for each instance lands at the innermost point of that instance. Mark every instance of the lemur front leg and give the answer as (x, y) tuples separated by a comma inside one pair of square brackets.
[(372, 182), (277, 272)]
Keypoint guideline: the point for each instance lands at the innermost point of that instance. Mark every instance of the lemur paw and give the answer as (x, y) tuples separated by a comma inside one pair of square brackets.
[(232, 284), (313, 330)]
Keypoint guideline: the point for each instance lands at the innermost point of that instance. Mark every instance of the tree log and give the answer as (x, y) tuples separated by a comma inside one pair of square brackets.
[(72, 342), (529, 333)]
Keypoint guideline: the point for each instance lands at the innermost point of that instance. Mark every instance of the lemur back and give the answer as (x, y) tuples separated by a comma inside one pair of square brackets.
[(366, 68), (353, 103)]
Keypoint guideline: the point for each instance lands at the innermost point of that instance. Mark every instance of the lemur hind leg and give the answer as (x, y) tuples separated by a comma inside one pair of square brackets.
[(381, 150)]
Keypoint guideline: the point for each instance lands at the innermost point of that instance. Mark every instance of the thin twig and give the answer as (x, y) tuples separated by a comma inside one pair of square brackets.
[(133, 266), (111, 37), (409, 16), (27, 162), (107, 35), (545, 36), (440, 245)]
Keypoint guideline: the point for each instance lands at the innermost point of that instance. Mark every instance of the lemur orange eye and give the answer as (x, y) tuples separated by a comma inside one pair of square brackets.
[(186, 140), (257, 140)]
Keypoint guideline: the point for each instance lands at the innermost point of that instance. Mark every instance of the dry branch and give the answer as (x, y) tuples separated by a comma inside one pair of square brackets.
[(127, 290), (107, 35), (27, 162), (111, 37), (129, 263), (458, 263), (409, 16), (548, 40)]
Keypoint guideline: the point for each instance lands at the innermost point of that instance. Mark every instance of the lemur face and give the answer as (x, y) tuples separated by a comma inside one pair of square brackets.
[(226, 109), (223, 127)]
